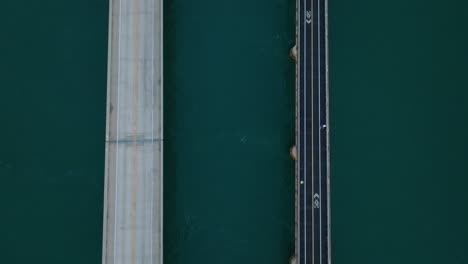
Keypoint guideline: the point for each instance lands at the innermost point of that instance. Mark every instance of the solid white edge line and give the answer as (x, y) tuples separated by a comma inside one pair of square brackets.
[(161, 131), (117, 136), (319, 127), (106, 172), (304, 125), (327, 106), (152, 132)]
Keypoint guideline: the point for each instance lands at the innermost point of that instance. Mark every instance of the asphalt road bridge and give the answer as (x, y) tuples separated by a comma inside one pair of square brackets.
[(312, 134)]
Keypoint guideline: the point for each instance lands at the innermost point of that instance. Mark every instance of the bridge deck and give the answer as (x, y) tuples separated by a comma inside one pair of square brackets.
[(134, 146), (312, 134)]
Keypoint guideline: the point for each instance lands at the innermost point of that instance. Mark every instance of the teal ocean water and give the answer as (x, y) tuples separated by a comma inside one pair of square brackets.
[(52, 125), (399, 124), (398, 120), (229, 122)]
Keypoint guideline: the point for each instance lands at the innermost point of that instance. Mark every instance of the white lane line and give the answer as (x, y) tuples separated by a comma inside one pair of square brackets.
[(319, 130), (161, 130), (327, 121), (311, 71), (118, 130), (299, 151), (304, 136), (152, 132)]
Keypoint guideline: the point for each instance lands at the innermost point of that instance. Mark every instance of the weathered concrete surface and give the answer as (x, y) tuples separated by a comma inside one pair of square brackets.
[(134, 146)]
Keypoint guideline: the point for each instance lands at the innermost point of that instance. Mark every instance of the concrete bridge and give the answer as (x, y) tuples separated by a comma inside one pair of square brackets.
[(133, 215)]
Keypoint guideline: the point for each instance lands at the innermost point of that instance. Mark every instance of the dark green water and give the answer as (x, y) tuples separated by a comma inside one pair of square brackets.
[(398, 120), (229, 123), (52, 121)]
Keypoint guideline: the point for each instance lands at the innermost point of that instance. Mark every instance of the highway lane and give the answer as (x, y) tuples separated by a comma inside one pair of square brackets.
[(313, 196), (134, 145)]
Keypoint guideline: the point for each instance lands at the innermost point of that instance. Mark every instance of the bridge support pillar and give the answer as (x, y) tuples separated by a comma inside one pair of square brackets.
[(293, 53), (293, 152)]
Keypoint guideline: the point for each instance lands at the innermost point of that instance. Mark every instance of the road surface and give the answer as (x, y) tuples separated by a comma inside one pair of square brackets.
[(313, 196), (134, 144)]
